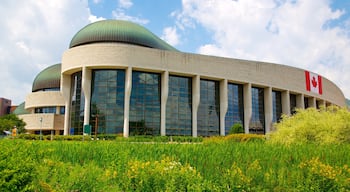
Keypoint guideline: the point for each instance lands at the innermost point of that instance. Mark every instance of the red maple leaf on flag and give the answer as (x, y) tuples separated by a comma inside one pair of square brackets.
[(314, 82)]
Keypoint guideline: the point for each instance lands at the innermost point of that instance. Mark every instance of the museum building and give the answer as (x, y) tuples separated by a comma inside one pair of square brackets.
[(119, 78)]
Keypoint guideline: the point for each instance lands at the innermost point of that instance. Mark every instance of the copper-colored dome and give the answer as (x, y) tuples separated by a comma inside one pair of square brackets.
[(48, 78), (118, 31)]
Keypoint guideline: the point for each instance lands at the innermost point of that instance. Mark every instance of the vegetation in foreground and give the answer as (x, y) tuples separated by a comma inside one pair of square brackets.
[(238, 162)]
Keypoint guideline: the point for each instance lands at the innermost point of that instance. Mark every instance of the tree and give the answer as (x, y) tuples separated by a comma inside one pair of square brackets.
[(8, 122)]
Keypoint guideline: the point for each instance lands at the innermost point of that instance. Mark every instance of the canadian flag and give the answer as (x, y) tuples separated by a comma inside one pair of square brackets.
[(313, 82)]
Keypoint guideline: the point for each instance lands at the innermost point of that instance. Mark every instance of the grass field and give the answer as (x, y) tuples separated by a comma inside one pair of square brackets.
[(141, 166)]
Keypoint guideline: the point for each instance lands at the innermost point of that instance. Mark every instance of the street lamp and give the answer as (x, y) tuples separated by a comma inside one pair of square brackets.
[(41, 127)]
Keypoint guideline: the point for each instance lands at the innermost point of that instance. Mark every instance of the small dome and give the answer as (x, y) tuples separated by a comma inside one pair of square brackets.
[(118, 31), (48, 78)]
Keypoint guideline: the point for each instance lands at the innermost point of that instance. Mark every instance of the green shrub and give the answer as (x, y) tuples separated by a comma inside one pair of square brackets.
[(236, 128), (17, 170), (329, 125)]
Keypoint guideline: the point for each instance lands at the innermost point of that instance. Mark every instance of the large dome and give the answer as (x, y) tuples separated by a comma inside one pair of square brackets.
[(118, 31), (48, 78)]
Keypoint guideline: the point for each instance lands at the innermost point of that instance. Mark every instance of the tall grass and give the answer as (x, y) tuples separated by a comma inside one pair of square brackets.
[(211, 166)]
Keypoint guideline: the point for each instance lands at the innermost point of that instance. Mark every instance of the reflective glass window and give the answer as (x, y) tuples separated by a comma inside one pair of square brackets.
[(306, 102), (293, 103), (276, 106), (77, 105), (257, 123), (145, 104), (179, 106), (107, 101), (208, 118), (45, 110), (235, 110)]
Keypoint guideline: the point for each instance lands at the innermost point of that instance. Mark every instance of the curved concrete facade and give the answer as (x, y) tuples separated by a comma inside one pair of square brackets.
[(268, 77)]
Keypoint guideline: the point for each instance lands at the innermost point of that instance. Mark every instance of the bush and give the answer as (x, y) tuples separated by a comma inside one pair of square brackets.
[(236, 128), (329, 125)]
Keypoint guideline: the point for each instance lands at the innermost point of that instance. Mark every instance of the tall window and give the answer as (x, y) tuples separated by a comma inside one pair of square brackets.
[(257, 123), (179, 106), (77, 105), (145, 104), (235, 110), (209, 109), (276, 106), (107, 101), (293, 103), (306, 102)]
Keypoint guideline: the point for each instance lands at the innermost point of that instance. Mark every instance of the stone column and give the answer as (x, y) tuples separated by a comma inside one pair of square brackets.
[(223, 105), (86, 88), (268, 109), (300, 101), (312, 102), (164, 98), (285, 102), (128, 86), (247, 95), (65, 91), (195, 103)]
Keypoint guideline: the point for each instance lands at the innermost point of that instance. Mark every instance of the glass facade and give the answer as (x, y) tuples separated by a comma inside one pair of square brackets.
[(145, 104), (235, 110), (179, 106), (293, 103), (77, 105), (257, 122), (208, 120), (107, 101), (306, 102), (276, 106), (45, 110)]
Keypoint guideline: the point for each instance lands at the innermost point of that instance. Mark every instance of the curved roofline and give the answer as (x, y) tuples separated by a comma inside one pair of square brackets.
[(48, 78), (118, 31)]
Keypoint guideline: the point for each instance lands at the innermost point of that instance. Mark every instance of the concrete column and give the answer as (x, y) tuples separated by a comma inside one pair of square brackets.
[(322, 103), (300, 101), (164, 98), (65, 91), (247, 95), (268, 109), (223, 105), (195, 103), (285, 102), (312, 102), (86, 88), (128, 86)]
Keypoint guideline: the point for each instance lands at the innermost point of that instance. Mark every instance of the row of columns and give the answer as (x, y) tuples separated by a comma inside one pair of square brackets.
[(247, 98)]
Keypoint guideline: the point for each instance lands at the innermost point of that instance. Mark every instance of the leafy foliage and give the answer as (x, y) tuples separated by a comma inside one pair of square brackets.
[(31, 165), (236, 128), (7, 123), (329, 125)]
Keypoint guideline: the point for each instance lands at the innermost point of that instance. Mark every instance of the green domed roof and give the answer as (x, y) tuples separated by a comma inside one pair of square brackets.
[(48, 78), (118, 31)]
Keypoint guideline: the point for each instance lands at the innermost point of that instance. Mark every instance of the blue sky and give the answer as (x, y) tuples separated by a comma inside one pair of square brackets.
[(309, 34)]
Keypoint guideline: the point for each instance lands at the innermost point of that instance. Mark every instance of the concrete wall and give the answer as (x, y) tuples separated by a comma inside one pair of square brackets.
[(288, 80)]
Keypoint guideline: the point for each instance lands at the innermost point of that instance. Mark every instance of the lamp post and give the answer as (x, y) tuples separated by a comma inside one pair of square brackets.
[(41, 127)]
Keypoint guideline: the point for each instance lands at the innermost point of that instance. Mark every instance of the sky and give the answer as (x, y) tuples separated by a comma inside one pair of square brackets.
[(308, 34)]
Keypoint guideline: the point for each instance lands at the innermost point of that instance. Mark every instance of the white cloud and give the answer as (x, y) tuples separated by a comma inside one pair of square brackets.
[(120, 14), (125, 3), (171, 36), (295, 33), (33, 36), (93, 18)]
